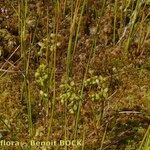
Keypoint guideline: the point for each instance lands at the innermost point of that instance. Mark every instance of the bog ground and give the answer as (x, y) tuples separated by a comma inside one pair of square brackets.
[(75, 75)]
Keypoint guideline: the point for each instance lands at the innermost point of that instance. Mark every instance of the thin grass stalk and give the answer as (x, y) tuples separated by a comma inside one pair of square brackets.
[(23, 15), (115, 21), (48, 65), (65, 103), (27, 97), (123, 21), (102, 10), (72, 10), (146, 141), (101, 112), (50, 74), (70, 44), (78, 28), (103, 138), (64, 9), (81, 95), (57, 9), (145, 40), (35, 30), (26, 88), (132, 25), (125, 12), (121, 15), (98, 27), (143, 35)]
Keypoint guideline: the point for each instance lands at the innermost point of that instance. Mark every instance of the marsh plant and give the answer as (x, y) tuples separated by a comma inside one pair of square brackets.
[(97, 87), (42, 73), (50, 42), (41, 77), (70, 93)]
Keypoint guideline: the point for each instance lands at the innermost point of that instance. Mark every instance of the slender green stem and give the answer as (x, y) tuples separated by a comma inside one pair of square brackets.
[(53, 75), (146, 141), (70, 44), (115, 19)]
